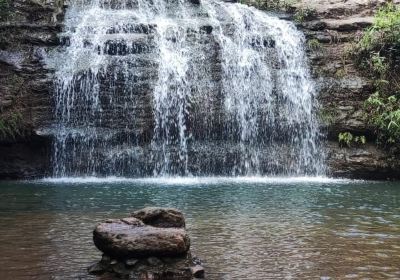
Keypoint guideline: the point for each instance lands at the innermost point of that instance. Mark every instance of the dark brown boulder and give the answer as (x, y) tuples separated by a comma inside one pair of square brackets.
[(121, 240), (160, 217), (153, 244)]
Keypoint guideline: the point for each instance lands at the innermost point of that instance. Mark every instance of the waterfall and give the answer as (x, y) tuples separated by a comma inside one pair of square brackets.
[(174, 87)]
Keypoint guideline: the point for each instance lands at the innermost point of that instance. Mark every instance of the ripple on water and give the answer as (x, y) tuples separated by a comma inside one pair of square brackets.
[(243, 228)]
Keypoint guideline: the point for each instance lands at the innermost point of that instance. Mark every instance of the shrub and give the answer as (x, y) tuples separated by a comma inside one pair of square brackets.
[(326, 115), (271, 5), (314, 45), (347, 139), (384, 114), (379, 47), (377, 52), (304, 14), (385, 30)]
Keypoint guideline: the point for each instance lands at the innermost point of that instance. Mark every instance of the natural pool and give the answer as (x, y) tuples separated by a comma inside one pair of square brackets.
[(244, 228)]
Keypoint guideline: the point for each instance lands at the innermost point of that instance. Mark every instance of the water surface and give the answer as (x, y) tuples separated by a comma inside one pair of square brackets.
[(248, 228)]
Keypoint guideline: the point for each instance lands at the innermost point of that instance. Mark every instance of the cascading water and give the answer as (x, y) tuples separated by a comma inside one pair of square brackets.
[(173, 87)]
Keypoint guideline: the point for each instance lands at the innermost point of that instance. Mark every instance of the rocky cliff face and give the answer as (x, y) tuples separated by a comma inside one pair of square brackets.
[(29, 27), (25, 85), (331, 28)]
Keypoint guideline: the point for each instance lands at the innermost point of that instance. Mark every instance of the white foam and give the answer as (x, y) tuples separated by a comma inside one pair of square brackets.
[(199, 180), (259, 86)]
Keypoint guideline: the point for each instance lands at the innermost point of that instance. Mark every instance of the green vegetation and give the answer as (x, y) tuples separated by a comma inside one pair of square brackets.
[(314, 45), (379, 46), (384, 34), (346, 139), (304, 14), (340, 73), (11, 126), (4, 9), (271, 5), (384, 114), (300, 14), (327, 115), (378, 54)]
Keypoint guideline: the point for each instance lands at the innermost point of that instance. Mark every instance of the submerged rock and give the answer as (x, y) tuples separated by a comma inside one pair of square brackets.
[(153, 244)]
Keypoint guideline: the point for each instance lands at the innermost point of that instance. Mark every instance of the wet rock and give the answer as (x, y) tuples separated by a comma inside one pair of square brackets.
[(97, 268), (362, 162), (131, 262), (120, 269), (132, 221), (105, 260), (31, 27), (161, 217), (340, 8), (40, 24), (150, 232), (343, 88), (135, 249), (348, 24), (154, 261), (120, 240), (197, 271), (25, 157), (315, 25), (206, 29)]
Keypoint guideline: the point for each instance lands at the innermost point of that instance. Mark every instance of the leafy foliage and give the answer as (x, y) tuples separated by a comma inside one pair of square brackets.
[(304, 14), (347, 139), (384, 114), (378, 49), (300, 14), (385, 30), (271, 5), (327, 115), (314, 45), (378, 53)]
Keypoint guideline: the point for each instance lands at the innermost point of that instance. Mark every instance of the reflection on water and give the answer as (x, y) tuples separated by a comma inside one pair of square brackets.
[(243, 229)]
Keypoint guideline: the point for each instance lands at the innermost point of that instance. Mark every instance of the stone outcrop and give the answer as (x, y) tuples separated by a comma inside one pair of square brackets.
[(32, 27), (153, 243), (27, 157), (160, 217), (335, 24), (29, 29), (362, 162), (121, 240), (341, 9)]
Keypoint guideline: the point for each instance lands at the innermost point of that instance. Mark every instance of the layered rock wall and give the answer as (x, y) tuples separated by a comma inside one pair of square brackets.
[(331, 30), (31, 29), (27, 30)]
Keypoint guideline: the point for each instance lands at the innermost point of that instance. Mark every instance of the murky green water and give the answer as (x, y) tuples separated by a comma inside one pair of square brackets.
[(250, 228)]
